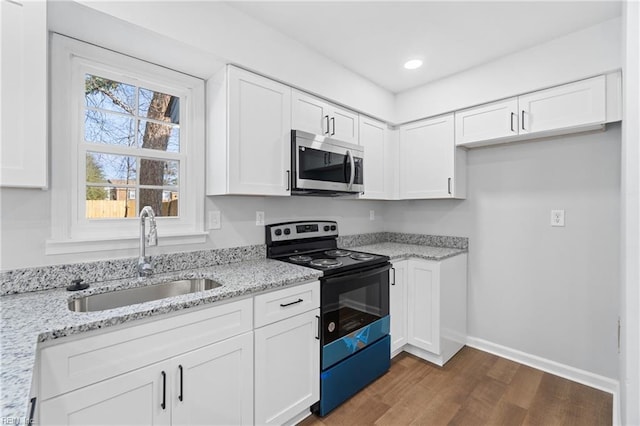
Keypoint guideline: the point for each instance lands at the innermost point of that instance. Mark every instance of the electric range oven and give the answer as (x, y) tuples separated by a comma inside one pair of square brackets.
[(354, 308)]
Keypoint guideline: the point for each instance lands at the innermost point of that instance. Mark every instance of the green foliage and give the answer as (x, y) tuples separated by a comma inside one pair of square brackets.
[(95, 174)]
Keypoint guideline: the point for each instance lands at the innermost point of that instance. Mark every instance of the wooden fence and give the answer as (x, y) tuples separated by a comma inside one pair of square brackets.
[(117, 208)]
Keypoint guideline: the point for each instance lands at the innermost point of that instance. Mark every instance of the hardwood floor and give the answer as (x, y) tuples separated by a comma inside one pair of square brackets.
[(474, 388)]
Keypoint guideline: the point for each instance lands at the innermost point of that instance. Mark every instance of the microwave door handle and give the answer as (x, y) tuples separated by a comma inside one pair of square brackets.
[(353, 169)]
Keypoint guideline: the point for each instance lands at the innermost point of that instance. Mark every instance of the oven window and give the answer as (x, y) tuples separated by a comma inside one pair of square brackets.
[(315, 164), (348, 304)]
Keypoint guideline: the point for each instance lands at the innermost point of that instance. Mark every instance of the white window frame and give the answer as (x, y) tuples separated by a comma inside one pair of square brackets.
[(71, 231)]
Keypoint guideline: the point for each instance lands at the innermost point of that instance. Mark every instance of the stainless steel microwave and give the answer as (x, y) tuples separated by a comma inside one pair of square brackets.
[(324, 166)]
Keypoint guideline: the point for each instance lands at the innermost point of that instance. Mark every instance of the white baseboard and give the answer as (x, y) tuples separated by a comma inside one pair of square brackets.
[(571, 373)]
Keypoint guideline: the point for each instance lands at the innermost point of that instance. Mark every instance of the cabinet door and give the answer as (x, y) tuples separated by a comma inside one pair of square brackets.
[(309, 114), (214, 385), (23, 93), (134, 398), (424, 305), (287, 368), (398, 304), (378, 162), (343, 125), (259, 139), (427, 158), (492, 121), (571, 105)]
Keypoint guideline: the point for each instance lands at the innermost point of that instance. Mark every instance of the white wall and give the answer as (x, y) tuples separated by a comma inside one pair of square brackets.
[(235, 37), (594, 50), (26, 224), (550, 292), (630, 265)]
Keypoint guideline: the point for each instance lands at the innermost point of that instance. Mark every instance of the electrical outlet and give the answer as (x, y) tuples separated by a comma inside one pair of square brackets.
[(214, 219), (557, 217), (372, 215), (259, 218)]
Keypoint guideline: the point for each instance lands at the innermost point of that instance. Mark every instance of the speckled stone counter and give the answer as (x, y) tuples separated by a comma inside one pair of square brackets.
[(41, 316), (399, 251)]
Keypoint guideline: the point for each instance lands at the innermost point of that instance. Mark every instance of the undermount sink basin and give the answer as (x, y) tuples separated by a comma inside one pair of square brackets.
[(131, 296)]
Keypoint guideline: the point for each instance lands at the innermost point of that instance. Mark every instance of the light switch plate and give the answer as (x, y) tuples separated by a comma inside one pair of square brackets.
[(372, 215), (259, 218), (557, 217)]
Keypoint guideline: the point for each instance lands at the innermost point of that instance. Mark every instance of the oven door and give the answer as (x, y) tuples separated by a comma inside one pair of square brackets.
[(326, 165), (352, 301)]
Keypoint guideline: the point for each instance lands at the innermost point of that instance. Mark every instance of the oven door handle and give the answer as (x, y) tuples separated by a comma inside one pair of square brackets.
[(352, 275)]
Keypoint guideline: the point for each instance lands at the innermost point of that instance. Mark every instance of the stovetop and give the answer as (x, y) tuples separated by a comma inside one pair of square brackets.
[(334, 260), (314, 244)]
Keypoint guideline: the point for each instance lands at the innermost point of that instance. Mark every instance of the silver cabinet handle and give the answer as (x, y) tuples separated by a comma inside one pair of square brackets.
[(512, 115), (326, 117), (449, 186), (288, 180), (353, 169), (394, 276), (522, 123), (333, 122)]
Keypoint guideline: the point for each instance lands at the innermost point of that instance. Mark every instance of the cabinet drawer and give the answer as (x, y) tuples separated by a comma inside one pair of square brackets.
[(81, 362), (281, 304)]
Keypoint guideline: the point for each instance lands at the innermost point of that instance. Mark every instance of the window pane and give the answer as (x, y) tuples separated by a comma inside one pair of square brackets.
[(159, 106), (163, 202), (162, 137), (111, 129), (109, 202), (108, 94), (108, 168), (159, 172)]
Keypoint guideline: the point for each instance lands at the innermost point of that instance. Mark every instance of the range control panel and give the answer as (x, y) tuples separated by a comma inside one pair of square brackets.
[(300, 230)]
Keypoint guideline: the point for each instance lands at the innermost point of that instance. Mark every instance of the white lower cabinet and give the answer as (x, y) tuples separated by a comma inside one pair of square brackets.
[(214, 385), (211, 385), (429, 307), (203, 367), (398, 305), (287, 368)]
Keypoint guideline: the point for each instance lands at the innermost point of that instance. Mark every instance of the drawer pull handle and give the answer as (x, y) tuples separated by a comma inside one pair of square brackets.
[(291, 303), (318, 328)]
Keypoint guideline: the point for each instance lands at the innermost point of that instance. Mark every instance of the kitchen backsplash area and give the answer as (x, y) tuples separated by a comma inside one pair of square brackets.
[(48, 277)]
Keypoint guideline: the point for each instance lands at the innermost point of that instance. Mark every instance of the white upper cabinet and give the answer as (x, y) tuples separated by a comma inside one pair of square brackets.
[(492, 121), (314, 115), (559, 110), (571, 105), (379, 162), (23, 94), (249, 146), (430, 165)]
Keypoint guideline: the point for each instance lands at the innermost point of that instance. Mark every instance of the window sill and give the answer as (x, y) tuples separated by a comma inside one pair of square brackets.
[(54, 247)]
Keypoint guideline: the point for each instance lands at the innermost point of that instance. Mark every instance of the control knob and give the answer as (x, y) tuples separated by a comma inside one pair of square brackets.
[(278, 232), (333, 227), (326, 228), (287, 231)]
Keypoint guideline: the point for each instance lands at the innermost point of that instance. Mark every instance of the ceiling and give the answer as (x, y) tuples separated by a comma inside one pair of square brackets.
[(375, 38)]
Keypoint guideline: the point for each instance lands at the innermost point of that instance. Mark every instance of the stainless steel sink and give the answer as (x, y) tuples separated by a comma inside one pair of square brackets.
[(130, 296)]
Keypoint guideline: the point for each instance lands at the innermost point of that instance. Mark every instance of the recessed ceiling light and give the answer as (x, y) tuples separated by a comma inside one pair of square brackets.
[(413, 64)]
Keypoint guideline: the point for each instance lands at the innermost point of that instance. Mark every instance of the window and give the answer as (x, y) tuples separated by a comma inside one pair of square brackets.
[(125, 134)]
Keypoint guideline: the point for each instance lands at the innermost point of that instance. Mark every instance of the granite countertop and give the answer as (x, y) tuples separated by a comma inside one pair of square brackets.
[(400, 250), (33, 317)]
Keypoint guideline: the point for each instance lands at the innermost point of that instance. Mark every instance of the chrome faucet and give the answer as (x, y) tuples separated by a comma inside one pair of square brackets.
[(144, 267)]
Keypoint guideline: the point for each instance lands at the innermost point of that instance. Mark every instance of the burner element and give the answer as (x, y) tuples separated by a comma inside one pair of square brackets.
[(337, 253), (362, 256), (326, 263), (300, 259)]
